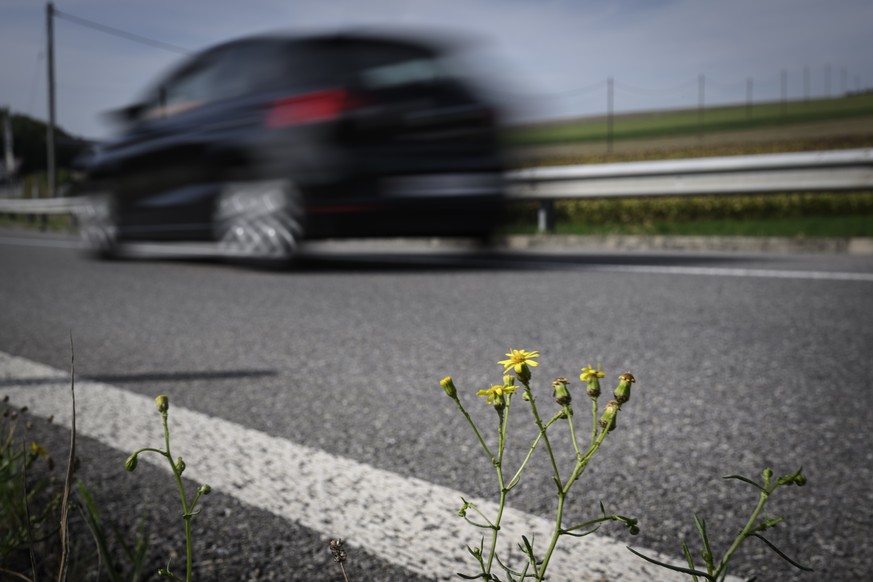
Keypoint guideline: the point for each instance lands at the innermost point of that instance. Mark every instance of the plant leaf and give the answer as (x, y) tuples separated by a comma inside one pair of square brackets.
[(508, 570), (745, 480), (584, 533), (707, 550), (781, 554), (690, 559), (670, 567)]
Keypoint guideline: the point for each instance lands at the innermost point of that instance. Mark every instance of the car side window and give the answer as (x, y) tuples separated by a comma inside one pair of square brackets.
[(183, 91)]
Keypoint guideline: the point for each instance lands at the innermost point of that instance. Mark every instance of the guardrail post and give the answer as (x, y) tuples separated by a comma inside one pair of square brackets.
[(546, 216)]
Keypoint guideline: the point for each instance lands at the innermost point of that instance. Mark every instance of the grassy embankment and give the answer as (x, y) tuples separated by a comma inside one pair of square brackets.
[(768, 128)]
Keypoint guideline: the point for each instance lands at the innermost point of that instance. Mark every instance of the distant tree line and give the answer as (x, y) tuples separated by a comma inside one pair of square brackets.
[(29, 144)]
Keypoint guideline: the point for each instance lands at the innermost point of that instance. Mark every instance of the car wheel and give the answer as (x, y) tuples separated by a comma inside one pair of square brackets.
[(259, 221), (98, 225)]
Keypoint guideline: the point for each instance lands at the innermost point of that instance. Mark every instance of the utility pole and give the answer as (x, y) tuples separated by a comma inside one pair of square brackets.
[(701, 93), (50, 128), (784, 90), (806, 83), (827, 81), (609, 103), (749, 89), (8, 156)]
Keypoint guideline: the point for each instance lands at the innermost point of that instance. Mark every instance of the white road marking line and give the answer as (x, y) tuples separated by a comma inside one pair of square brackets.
[(729, 272), (371, 508)]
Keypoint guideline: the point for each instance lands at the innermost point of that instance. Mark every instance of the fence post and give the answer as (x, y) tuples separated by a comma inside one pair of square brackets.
[(546, 217)]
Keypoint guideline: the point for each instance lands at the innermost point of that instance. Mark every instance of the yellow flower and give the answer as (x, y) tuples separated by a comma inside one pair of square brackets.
[(518, 358), (590, 373), (38, 450), (496, 392)]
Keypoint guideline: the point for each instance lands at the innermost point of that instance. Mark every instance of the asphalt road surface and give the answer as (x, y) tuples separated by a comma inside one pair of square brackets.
[(314, 392)]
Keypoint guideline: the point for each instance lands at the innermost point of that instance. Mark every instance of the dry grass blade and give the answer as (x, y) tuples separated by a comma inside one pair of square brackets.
[(29, 526), (68, 480), (15, 575)]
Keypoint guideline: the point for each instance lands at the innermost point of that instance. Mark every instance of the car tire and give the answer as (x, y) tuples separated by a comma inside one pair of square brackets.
[(259, 221), (98, 226)]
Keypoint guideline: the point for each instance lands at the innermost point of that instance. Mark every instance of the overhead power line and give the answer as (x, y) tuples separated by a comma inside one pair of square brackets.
[(121, 33), (679, 88)]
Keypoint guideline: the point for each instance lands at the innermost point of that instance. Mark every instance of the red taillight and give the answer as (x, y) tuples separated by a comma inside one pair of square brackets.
[(308, 108)]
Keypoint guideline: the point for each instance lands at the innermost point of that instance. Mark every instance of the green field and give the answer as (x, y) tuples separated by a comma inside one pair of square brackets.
[(684, 122)]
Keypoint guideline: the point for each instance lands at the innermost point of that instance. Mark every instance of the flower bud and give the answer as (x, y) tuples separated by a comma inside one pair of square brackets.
[(130, 463), (592, 377), (560, 392), (180, 466), (607, 421), (623, 390), (767, 474), (509, 380), (449, 386), (633, 530), (163, 403), (523, 373), (204, 489), (798, 478)]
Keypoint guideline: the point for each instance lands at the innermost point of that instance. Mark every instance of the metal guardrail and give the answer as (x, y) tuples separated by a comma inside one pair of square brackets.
[(839, 170), (41, 205)]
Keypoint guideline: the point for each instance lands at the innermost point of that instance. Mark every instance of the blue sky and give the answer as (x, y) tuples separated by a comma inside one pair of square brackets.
[(547, 58)]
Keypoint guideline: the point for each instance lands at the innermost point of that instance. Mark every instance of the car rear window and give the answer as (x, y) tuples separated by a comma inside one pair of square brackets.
[(374, 64)]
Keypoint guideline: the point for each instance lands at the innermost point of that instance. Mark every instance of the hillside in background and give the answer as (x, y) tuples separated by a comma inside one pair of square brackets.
[(29, 145)]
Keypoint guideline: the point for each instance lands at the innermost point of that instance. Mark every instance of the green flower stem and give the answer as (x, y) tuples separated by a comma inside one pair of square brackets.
[(555, 535), (186, 514), (475, 429), (593, 421), (746, 531), (150, 450), (479, 525), (562, 494), (539, 423), (501, 439), (569, 412), (583, 462), (533, 446)]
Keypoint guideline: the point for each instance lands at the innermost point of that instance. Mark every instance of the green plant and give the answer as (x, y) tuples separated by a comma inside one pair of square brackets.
[(135, 553), (189, 510), (755, 526), (500, 398), (29, 500)]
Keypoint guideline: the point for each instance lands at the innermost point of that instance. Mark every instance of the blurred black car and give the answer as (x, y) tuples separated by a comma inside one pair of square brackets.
[(260, 143)]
